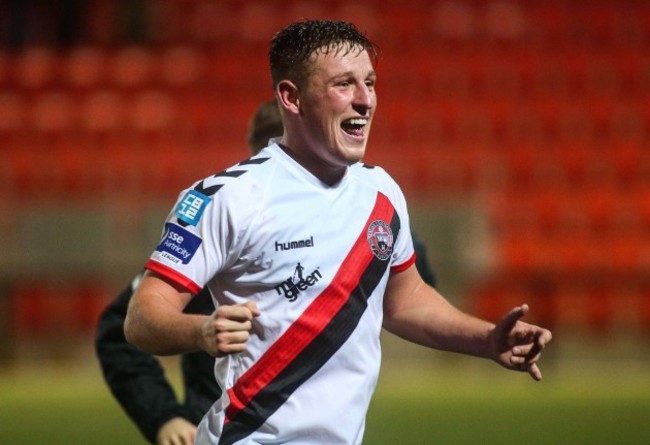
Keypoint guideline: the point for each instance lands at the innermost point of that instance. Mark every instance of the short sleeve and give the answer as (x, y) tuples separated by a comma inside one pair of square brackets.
[(193, 246)]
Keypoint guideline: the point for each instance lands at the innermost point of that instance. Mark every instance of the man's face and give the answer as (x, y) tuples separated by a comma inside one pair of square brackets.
[(337, 106)]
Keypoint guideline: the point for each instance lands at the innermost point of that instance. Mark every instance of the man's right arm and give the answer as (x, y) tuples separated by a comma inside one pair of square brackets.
[(156, 323)]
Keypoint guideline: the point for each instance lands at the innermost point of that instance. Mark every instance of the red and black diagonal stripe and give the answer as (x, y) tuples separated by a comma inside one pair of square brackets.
[(312, 339)]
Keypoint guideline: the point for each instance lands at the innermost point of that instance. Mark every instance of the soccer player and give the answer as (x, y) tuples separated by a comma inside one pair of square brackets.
[(137, 379), (313, 248)]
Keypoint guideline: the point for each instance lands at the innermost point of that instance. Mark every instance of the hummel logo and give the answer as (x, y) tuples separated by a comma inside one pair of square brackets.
[(309, 242), (292, 286)]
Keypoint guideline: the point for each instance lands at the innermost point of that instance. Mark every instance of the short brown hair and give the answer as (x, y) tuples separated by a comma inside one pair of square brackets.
[(292, 47)]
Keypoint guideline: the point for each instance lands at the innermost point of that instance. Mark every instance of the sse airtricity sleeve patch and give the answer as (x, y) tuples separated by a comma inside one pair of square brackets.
[(177, 244), (191, 207)]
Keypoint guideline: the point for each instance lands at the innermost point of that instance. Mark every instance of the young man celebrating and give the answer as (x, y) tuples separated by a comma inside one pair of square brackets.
[(313, 250)]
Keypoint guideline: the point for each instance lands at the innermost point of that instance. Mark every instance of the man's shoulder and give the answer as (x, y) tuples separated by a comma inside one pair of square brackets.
[(236, 179)]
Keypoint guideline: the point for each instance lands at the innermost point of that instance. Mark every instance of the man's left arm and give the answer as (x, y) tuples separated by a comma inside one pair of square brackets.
[(418, 313)]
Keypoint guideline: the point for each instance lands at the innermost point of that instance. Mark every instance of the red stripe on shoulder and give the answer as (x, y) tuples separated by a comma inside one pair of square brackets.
[(405, 265), (173, 275)]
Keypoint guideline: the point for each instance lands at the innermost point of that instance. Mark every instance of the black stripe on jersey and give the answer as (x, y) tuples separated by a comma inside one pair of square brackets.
[(212, 189), (229, 174), (207, 191), (312, 358), (253, 161)]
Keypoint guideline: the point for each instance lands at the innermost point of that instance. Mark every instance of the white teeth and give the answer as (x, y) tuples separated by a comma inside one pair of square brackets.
[(358, 121)]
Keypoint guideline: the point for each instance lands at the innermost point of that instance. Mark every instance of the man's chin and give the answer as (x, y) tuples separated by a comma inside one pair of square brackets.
[(355, 154)]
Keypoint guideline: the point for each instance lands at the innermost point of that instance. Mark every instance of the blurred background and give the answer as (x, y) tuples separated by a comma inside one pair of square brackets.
[(517, 129)]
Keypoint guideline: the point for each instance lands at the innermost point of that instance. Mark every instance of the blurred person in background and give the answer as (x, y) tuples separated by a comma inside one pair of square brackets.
[(137, 379), (314, 249)]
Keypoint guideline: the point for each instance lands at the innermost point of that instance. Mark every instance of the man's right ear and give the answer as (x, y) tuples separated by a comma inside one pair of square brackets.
[(288, 99)]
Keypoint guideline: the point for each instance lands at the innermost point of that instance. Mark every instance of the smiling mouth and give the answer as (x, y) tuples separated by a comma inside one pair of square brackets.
[(355, 127)]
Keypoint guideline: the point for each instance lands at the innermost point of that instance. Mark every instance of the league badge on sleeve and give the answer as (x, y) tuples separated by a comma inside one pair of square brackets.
[(177, 244), (380, 238), (191, 207)]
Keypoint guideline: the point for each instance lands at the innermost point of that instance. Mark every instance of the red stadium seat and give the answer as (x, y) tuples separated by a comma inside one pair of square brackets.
[(13, 114), (181, 67), (104, 111), (90, 298), (600, 310), (209, 22), (262, 19), (28, 309), (53, 112), (152, 111), (36, 68), (132, 67), (85, 67)]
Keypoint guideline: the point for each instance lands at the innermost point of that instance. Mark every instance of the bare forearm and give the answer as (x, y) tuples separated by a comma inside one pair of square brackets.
[(162, 331), (418, 313), (442, 327)]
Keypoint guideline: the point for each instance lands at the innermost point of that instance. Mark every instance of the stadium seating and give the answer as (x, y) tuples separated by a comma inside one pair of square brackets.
[(536, 109)]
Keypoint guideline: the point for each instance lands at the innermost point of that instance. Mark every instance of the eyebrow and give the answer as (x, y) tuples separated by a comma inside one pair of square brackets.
[(347, 74)]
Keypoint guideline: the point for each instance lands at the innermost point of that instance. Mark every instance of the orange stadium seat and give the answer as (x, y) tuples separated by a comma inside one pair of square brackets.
[(53, 113), (13, 116), (209, 22), (501, 78), (46, 308), (641, 199), (27, 306), (627, 29), (181, 67), (364, 13), (91, 297), (85, 68), (452, 21), (152, 111), (626, 123), (262, 19), (552, 77), (36, 68), (132, 67), (103, 111), (600, 309), (81, 171), (489, 298)]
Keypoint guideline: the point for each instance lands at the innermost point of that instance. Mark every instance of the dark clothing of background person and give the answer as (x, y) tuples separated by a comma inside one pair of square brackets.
[(421, 260), (137, 379)]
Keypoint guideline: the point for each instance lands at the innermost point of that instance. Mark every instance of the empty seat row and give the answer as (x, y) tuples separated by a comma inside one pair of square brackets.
[(85, 67)]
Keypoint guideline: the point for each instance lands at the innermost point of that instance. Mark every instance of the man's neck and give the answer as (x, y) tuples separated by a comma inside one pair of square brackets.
[(325, 172)]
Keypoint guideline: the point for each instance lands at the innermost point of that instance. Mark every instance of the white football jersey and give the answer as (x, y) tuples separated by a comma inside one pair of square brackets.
[(316, 260)]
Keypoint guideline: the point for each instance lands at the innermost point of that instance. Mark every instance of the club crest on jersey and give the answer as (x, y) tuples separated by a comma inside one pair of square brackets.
[(191, 207), (380, 238)]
